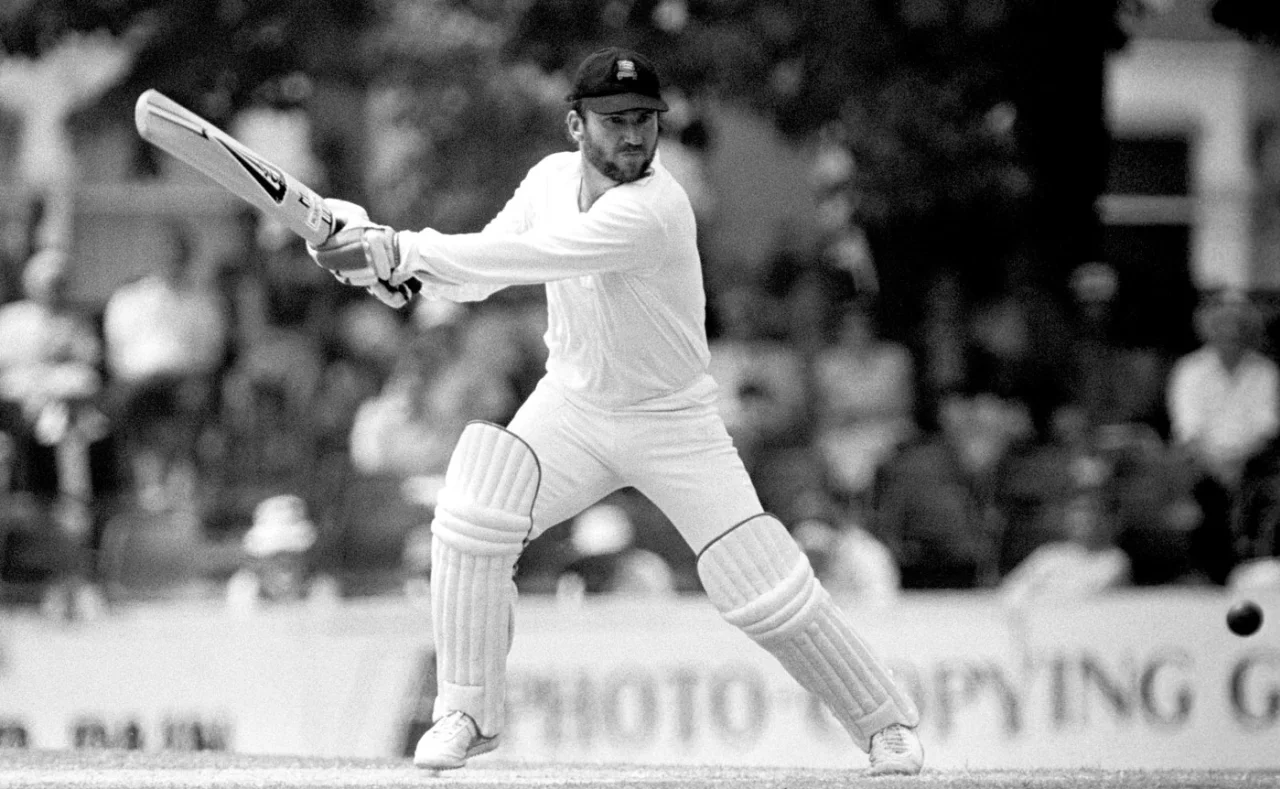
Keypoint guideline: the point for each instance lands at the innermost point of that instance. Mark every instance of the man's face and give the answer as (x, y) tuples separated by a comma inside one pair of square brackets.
[(620, 145)]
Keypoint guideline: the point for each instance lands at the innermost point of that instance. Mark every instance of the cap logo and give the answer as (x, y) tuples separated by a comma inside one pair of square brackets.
[(627, 70)]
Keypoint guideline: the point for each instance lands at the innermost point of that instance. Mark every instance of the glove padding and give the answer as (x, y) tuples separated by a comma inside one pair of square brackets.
[(364, 255)]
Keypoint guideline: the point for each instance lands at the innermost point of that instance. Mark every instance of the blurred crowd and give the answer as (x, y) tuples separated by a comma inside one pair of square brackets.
[(252, 430)]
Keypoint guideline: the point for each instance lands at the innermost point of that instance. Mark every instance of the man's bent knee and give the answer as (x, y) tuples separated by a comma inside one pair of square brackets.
[(760, 580), (486, 505)]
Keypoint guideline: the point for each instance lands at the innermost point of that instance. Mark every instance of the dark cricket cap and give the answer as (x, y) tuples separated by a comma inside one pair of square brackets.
[(615, 79)]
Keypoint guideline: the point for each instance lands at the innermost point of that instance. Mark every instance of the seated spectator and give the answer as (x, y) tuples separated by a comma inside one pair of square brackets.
[(1159, 522), (1224, 409), (1066, 546), (864, 401), (1044, 480), (279, 565), (50, 354), (933, 500), (166, 339)]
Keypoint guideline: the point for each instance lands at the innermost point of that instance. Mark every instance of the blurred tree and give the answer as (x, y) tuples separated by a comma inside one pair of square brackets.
[(216, 56), (455, 124), (458, 124)]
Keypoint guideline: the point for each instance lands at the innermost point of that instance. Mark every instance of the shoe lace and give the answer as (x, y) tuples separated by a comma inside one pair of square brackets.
[(892, 739)]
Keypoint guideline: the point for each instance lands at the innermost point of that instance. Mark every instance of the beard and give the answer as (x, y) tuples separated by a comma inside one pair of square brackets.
[(615, 165)]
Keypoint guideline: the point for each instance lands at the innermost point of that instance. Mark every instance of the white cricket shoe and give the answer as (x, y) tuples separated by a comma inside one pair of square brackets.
[(896, 750), (450, 741)]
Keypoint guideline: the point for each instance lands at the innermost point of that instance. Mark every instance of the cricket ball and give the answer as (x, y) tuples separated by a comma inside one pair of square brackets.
[(1244, 618)]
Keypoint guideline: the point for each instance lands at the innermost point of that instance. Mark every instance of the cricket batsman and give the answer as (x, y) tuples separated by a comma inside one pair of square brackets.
[(626, 401)]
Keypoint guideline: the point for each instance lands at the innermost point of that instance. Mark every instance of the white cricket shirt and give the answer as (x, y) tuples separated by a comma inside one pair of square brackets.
[(1232, 413), (625, 299)]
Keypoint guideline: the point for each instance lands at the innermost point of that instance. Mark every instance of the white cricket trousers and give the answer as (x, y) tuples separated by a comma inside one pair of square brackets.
[(682, 460)]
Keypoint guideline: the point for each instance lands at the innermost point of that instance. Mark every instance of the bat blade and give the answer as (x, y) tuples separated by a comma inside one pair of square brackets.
[(236, 167)]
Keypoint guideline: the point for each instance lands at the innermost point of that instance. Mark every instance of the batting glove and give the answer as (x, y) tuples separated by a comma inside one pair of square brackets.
[(363, 254)]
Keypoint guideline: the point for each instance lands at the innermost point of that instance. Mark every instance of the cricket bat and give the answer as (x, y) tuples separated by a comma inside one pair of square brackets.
[(178, 131), (235, 166)]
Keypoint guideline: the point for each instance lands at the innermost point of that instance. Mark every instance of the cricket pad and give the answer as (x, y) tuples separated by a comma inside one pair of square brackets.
[(761, 582), (483, 516)]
